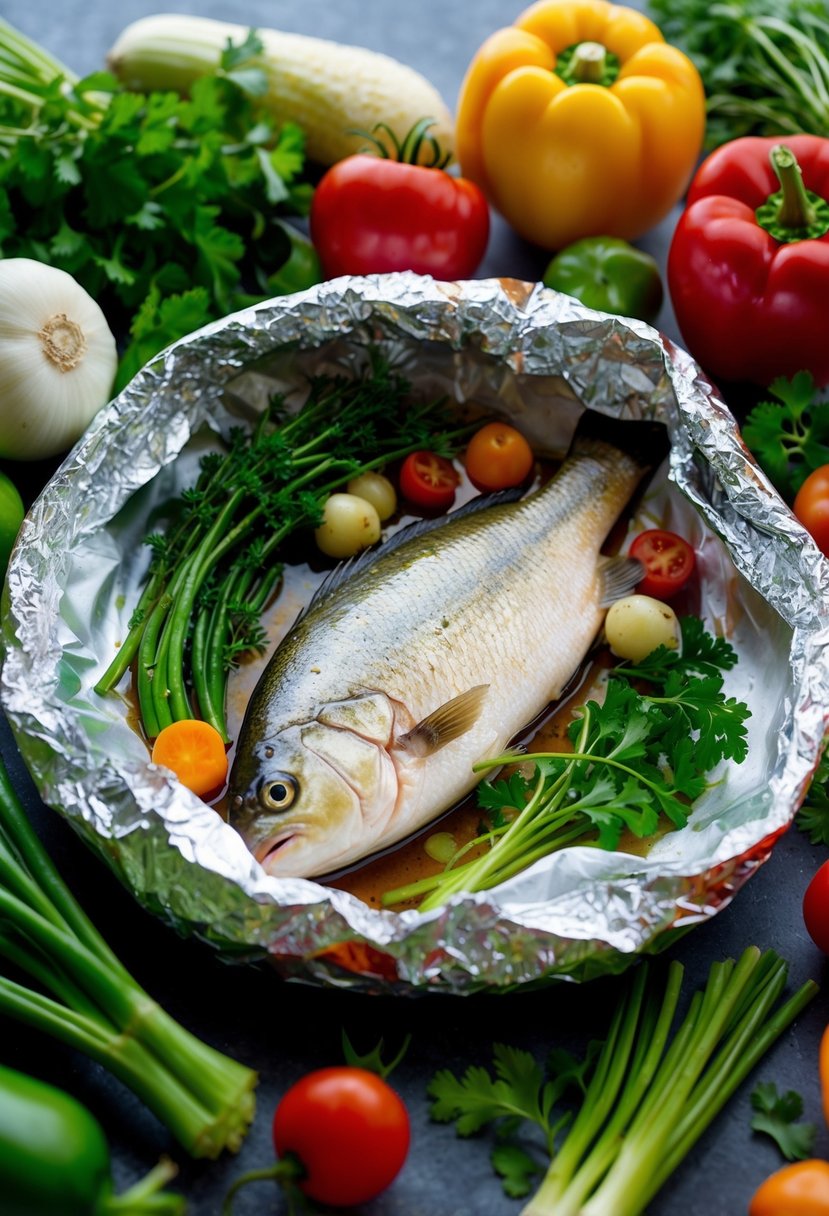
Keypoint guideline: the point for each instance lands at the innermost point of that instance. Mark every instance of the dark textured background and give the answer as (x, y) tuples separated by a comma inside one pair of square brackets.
[(284, 1030)]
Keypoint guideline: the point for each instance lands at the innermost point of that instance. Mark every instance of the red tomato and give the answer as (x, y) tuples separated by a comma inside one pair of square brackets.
[(349, 1130), (816, 908), (370, 215), (669, 562), (811, 506), (498, 456), (429, 481)]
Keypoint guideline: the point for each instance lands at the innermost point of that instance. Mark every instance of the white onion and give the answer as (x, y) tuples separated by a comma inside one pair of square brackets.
[(57, 360)]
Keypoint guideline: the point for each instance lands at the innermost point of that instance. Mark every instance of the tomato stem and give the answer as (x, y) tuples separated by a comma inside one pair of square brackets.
[(288, 1170)]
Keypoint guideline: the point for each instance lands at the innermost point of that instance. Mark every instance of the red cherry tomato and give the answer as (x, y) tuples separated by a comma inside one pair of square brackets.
[(816, 908), (498, 456), (811, 506), (669, 562), (429, 481), (350, 1131), (370, 215)]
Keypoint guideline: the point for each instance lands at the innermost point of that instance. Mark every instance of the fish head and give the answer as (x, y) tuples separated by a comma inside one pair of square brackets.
[(315, 795)]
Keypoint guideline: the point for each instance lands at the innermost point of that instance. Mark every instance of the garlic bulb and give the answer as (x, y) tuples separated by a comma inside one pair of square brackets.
[(57, 360)]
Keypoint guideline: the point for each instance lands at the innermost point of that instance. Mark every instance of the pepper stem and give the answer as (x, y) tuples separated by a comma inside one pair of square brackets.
[(792, 213), (795, 210), (588, 63)]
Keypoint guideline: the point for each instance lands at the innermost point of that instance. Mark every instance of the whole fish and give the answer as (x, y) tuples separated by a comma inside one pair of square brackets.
[(427, 656)]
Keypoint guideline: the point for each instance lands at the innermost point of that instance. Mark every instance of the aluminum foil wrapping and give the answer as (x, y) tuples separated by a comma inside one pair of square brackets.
[(520, 351)]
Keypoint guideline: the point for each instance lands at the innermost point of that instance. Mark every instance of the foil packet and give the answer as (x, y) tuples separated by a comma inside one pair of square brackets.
[(521, 352)]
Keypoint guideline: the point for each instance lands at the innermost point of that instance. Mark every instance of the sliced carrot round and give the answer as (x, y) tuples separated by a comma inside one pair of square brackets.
[(195, 752)]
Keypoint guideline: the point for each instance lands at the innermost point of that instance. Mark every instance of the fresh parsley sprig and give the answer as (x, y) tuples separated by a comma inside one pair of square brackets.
[(640, 756), (163, 208), (650, 1089), (777, 1115), (790, 435)]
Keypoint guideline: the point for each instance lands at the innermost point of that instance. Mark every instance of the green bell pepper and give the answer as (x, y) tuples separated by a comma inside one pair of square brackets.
[(54, 1159), (608, 274)]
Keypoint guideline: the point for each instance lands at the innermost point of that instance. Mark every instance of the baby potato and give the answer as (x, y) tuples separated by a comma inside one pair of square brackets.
[(376, 489), (349, 524), (637, 624)]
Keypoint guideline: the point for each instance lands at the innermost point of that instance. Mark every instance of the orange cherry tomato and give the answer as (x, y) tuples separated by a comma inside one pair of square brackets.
[(811, 506), (498, 457), (195, 751), (801, 1189), (823, 1069)]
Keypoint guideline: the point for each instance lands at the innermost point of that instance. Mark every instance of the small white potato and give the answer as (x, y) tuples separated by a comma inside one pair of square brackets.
[(349, 524), (376, 489), (637, 624)]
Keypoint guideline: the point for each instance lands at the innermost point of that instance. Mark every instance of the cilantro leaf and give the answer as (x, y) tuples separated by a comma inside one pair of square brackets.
[(506, 793), (776, 1115), (790, 435), (515, 1167)]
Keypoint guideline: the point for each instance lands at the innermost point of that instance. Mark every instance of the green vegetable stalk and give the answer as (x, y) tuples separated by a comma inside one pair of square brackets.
[(638, 756), (217, 565), (654, 1088), (87, 999)]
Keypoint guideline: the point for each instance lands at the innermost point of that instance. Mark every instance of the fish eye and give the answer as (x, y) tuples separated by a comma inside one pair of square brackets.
[(279, 792)]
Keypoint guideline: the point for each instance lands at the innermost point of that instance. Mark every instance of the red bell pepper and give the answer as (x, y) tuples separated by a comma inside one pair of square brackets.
[(748, 268)]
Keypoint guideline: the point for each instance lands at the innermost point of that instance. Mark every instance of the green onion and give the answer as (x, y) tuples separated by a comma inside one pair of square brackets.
[(92, 1003)]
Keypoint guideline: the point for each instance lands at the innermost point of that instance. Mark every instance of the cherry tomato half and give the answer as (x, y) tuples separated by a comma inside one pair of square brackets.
[(811, 506), (350, 1131), (429, 481), (498, 456), (669, 562), (816, 908)]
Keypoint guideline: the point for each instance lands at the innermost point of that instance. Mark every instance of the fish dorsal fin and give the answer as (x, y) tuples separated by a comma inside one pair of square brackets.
[(449, 721), (353, 566), (618, 577)]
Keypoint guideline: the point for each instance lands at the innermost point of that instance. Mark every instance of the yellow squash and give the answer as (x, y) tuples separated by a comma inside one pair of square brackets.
[(580, 120)]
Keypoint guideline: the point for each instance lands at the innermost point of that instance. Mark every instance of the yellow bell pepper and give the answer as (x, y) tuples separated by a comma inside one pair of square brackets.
[(580, 120)]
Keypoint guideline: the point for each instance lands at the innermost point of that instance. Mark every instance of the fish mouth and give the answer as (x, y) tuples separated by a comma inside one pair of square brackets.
[(270, 848)]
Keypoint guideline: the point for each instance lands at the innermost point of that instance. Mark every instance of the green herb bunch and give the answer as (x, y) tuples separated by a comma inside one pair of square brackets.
[(217, 564), (637, 756), (764, 63), (644, 1095), (163, 208)]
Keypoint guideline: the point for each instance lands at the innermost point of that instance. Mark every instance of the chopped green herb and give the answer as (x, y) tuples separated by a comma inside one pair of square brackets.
[(813, 817), (776, 1115)]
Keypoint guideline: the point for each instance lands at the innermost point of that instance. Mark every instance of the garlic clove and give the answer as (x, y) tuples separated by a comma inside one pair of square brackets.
[(57, 360)]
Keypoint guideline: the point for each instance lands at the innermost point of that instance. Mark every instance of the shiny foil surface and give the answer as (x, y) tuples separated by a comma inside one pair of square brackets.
[(530, 355)]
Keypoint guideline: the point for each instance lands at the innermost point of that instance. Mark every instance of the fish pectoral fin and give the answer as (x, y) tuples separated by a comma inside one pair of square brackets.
[(449, 721), (618, 576)]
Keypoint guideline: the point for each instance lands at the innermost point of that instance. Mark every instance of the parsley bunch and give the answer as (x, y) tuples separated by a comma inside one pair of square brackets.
[(790, 435), (637, 756), (164, 209), (648, 1092), (217, 564)]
